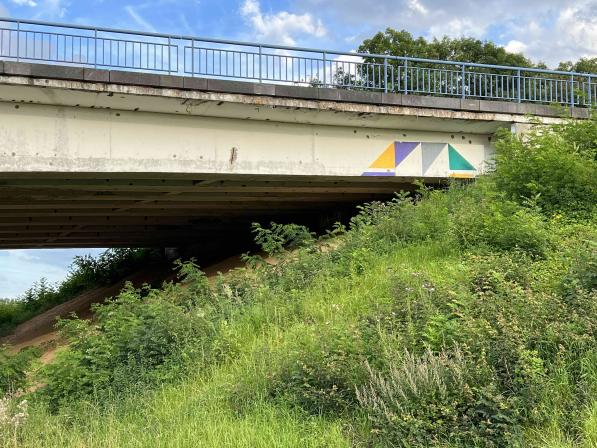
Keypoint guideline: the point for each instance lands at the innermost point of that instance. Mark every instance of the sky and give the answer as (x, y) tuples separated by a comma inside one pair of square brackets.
[(544, 30)]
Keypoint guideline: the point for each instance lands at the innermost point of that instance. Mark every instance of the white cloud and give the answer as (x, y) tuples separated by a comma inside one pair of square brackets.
[(3, 11), (417, 6), (549, 30), (31, 3), (457, 27), (138, 19), (281, 27), (516, 46), (51, 9)]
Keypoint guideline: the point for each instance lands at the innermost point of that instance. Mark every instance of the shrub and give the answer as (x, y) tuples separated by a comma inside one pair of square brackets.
[(11, 311), (85, 272), (554, 166), (14, 368), (141, 336), (319, 372), (277, 237), (442, 398), (484, 219), (403, 220), (582, 275)]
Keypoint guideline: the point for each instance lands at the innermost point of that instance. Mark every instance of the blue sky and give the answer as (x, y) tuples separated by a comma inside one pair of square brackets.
[(545, 30)]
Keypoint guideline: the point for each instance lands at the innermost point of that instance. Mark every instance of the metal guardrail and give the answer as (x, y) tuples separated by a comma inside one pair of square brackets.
[(36, 41)]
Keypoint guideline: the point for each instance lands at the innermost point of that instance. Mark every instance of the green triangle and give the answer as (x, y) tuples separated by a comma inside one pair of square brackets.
[(457, 162)]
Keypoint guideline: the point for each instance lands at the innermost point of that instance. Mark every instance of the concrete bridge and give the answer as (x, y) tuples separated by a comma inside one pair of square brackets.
[(171, 153)]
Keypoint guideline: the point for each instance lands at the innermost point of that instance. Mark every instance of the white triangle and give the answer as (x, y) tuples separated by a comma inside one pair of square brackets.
[(411, 164)]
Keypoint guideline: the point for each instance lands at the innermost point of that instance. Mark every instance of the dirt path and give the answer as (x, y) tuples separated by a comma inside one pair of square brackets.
[(39, 331)]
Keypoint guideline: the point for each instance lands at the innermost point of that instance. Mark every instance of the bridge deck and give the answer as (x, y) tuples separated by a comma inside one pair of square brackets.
[(96, 158), (46, 211), (165, 81)]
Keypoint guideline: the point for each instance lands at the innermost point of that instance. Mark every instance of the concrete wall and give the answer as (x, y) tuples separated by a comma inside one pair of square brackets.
[(45, 138)]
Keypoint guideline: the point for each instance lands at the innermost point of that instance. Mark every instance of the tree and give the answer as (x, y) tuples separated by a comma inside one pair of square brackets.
[(447, 79), (468, 49), (448, 82), (583, 65)]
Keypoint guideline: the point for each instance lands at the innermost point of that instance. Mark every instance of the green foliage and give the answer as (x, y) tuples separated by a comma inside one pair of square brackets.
[(274, 239), (480, 219), (14, 368), (138, 337), (402, 43), (10, 311), (437, 399), (583, 65), (582, 274), (467, 49), (555, 167), (85, 272), (319, 372)]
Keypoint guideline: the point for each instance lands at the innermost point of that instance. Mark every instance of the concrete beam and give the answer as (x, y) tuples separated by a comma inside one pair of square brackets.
[(44, 71), (44, 138)]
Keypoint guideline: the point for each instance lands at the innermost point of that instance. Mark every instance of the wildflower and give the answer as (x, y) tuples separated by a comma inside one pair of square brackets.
[(429, 287), (11, 417)]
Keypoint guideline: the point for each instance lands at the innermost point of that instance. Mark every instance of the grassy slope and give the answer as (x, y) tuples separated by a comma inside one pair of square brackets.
[(462, 268), (198, 413)]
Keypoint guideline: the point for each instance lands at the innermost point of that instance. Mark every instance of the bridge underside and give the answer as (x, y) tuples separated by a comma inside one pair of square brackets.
[(96, 159), (49, 211)]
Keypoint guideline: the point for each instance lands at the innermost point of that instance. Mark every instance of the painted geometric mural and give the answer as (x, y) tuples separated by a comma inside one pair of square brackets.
[(427, 159)]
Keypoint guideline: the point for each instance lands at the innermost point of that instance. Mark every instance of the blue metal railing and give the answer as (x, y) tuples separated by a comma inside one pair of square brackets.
[(36, 41)]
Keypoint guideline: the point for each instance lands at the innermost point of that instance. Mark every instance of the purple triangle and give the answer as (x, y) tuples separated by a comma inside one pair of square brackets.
[(403, 149)]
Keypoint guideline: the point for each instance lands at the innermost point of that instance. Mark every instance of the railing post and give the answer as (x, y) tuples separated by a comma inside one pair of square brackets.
[(462, 82), (260, 62), (406, 76), (385, 70), (169, 55), (518, 87), (590, 92), (324, 68), (571, 90), (95, 46), (192, 58), (18, 40)]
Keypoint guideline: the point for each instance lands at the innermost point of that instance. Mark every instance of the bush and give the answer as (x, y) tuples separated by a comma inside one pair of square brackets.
[(442, 398), (554, 166), (483, 219), (14, 368), (11, 311), (85, 272), (319, 372), (403, 220), (277, 237), (141, 336)]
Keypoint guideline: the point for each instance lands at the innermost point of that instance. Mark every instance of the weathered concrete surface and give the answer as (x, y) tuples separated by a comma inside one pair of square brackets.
[(44, 138), (96, 158), (53, 72)]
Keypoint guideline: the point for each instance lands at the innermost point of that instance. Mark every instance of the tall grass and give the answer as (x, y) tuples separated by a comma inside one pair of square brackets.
[(464, 318)]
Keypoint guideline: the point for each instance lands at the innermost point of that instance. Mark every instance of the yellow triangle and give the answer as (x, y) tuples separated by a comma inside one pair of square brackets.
[(387, 158)]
